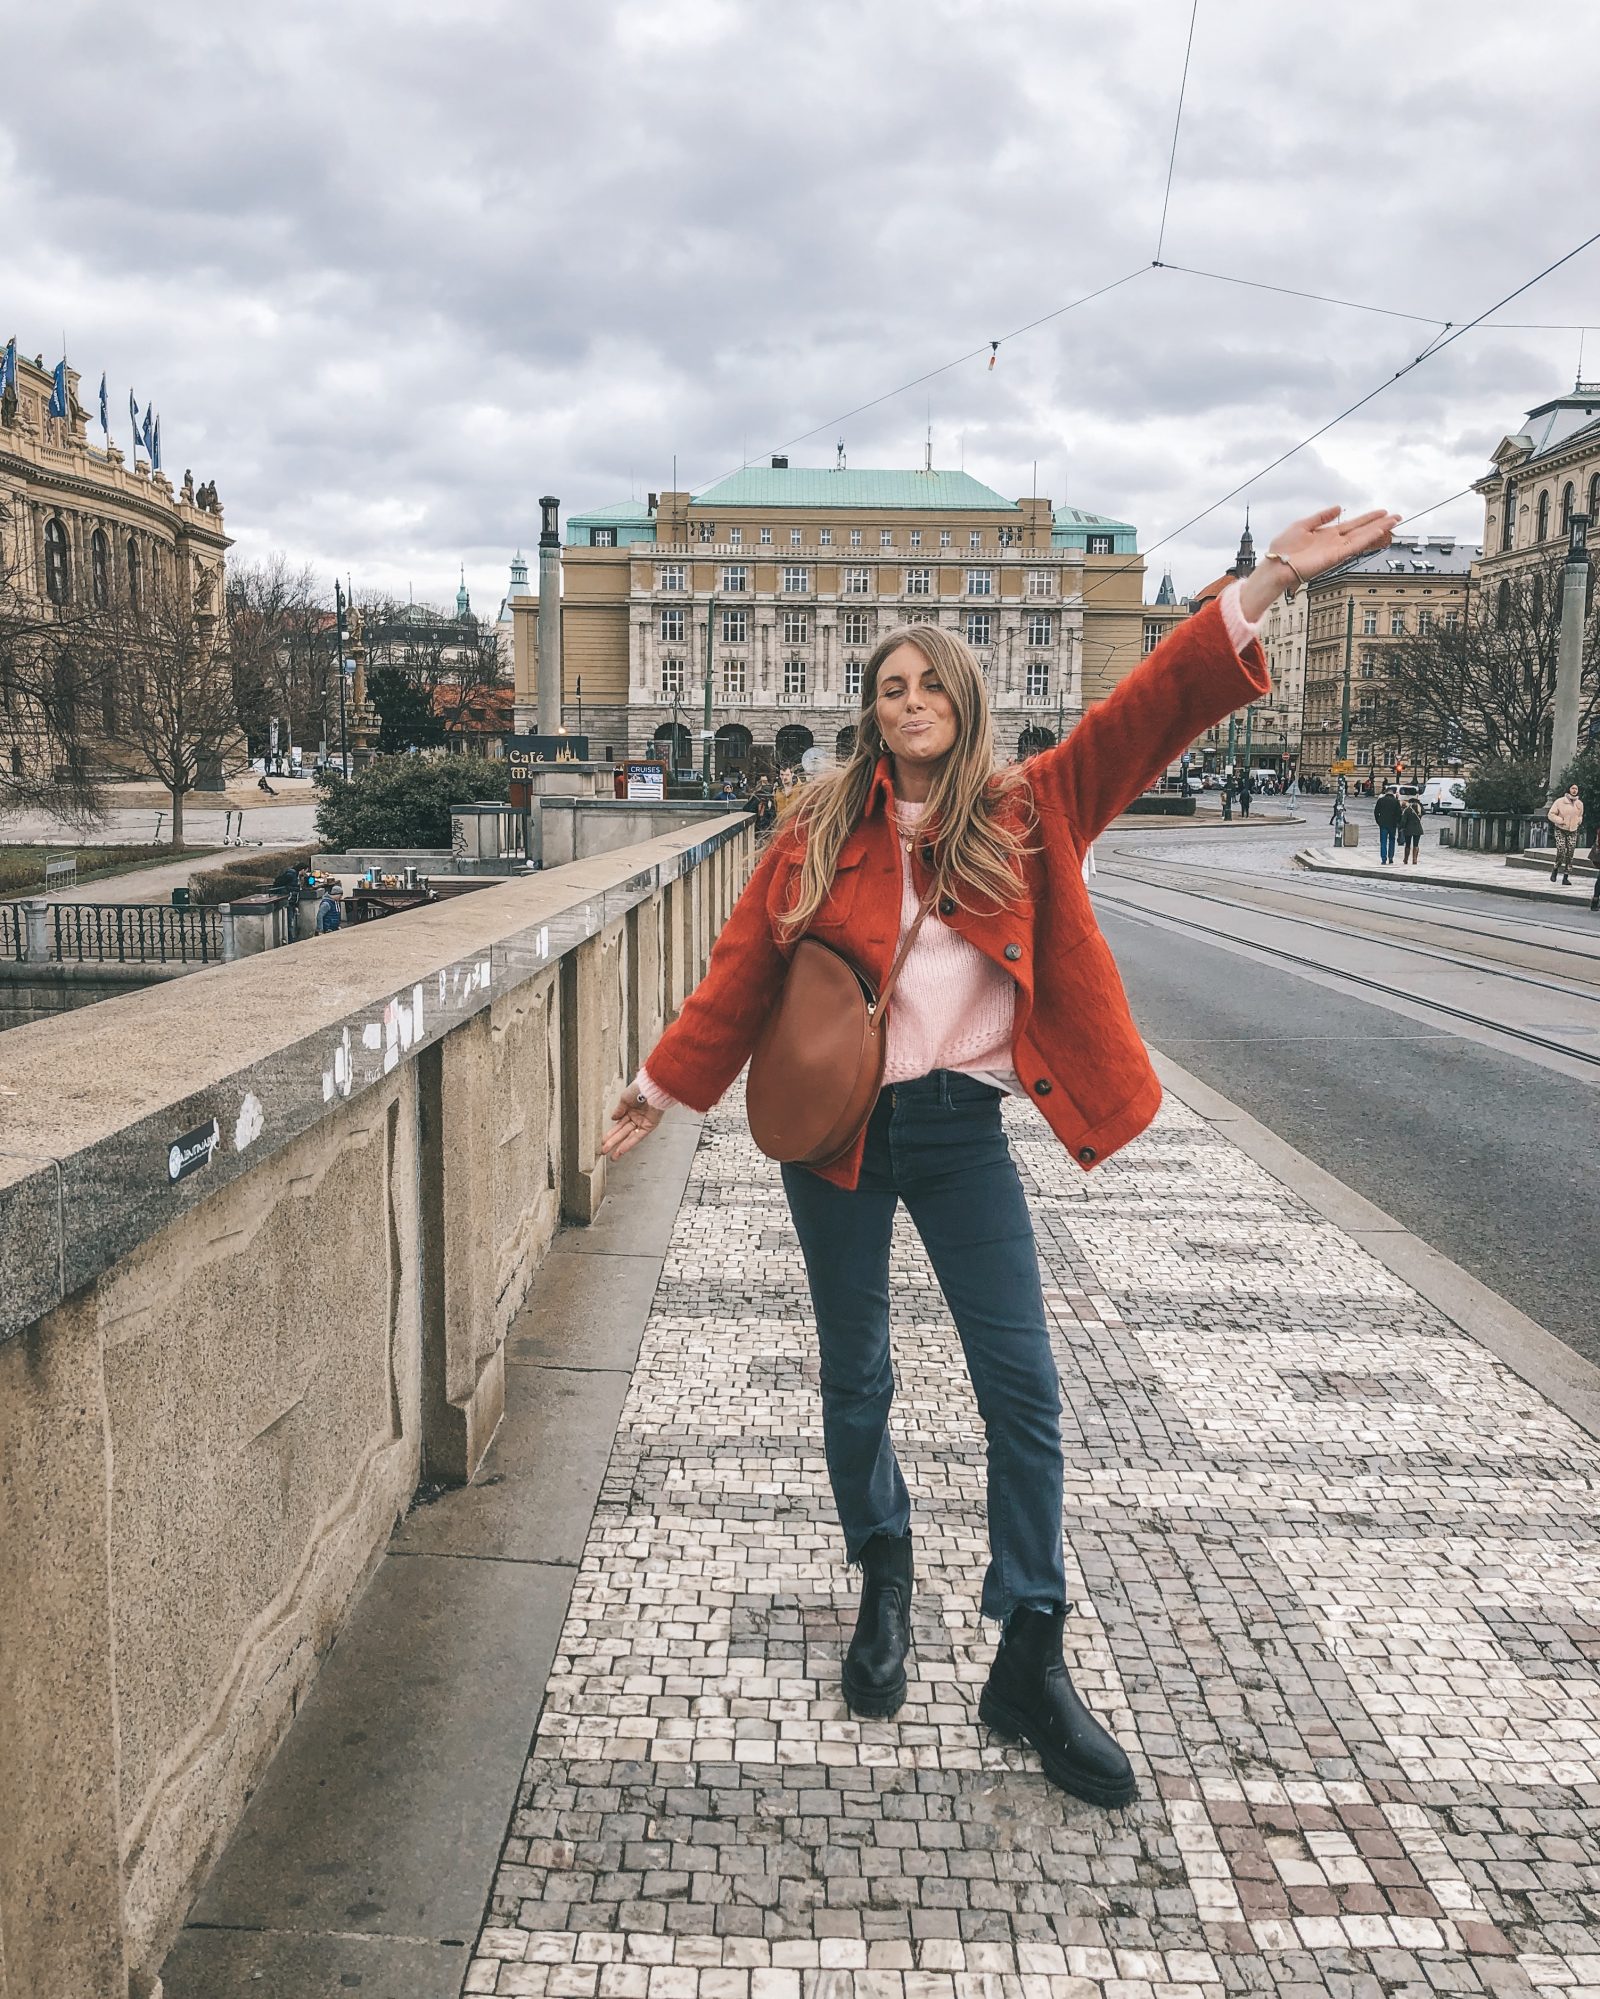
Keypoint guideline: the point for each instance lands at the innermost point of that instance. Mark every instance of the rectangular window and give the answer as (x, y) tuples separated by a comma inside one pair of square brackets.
[(1369, 666), (1452, 621), (857, 627), (1038, 680), (1424, 621), (1397, 624), (852, 679), (975, 538), (671, 577), (857, 582), (1363, 758), (919, 582), (672, 676), (978, 628), (735, 627), (1152, 634), (735, 536), (672, 625), (980, 582), (824, 536), (1101, 544), (916, 537), (766, 537), (885, 538), (1041, 583), (855, 537), (602, 537), (796, 578), (794, 679), (944, 538), (794, 537), (733, 678), (1041, 628), (736, 578), (796, 628), (1369, 622)]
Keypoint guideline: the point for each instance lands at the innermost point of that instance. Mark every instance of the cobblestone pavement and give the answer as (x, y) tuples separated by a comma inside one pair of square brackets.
[(1338, 1591)]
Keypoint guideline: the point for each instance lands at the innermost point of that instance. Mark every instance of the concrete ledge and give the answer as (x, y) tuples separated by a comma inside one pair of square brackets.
[(1537, 1356), (1573, 898)]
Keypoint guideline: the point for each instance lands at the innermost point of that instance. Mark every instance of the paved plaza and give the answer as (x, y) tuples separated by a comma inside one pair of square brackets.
[(1337, 1581)]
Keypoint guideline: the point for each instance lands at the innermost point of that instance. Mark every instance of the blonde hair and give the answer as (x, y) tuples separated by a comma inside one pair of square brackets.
[(975, 849)]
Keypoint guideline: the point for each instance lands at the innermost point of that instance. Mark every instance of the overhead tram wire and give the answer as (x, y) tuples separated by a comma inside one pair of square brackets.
[(1435, 346), (1177, 121), (1288, 291)]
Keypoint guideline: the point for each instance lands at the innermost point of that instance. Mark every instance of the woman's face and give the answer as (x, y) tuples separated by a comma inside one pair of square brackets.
[(915, 716)]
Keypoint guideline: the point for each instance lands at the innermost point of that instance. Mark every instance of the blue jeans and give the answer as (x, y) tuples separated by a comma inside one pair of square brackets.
[(937, 1144), (1386, 842)]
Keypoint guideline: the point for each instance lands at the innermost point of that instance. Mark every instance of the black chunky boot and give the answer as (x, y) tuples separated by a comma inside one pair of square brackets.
[(875, 1665), (1031, 1695)]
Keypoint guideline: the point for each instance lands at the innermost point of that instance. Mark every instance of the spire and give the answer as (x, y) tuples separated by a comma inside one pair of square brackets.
[(463, 601), (519, 575), (1166, 594), (1245, 561)]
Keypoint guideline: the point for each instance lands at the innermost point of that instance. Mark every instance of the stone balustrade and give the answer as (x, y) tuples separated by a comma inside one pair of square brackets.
[(263, 1230)]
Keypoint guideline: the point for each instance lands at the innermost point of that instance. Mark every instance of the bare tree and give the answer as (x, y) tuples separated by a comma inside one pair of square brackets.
[(1486, 690), (46, 723), (283, 648), (166, 681)]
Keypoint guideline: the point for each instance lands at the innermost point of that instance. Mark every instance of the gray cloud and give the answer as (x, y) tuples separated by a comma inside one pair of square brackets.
[(391, 271)]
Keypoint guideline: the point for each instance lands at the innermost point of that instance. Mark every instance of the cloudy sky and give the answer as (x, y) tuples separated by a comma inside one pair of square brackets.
[(390, 270)]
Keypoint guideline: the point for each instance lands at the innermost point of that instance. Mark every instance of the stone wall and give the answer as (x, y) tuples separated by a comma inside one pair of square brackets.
[(262, 1233), (30, 992)]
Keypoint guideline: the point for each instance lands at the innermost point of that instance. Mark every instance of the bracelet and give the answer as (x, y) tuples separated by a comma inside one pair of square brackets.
[(1299, 580)]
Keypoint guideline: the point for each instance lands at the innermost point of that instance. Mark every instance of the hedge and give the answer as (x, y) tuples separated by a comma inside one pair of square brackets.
[(247, 874)]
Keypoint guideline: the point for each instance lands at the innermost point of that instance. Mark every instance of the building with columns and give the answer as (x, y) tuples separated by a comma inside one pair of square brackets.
[(83, 529), (778, 581), (1541, 475)]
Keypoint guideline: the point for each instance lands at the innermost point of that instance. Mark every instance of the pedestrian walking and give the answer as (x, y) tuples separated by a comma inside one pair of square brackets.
[(1247, 791), (1566, 816), (1228, 789), (921, 856), (1410, 831), (1386, 813)]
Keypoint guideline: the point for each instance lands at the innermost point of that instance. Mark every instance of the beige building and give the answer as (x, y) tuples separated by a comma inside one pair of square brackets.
[(778, 581), (1266, 735), (82, 529), (1358, 614), (1542, 475)]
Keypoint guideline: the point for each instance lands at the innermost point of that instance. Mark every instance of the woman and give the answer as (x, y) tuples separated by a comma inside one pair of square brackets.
[(1008, 989), (1410, 831)]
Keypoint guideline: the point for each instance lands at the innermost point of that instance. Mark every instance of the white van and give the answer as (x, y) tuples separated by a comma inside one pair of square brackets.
[(1444, 794)]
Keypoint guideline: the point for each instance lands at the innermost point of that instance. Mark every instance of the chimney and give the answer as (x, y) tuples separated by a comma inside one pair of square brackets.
[(779, 462), (650, 502)]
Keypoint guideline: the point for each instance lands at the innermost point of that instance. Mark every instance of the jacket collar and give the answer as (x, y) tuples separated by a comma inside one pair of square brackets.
[(880, 793)]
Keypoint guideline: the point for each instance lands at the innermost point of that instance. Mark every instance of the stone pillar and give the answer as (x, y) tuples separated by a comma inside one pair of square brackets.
[(583, 1106), (37, 943), (549, 682)]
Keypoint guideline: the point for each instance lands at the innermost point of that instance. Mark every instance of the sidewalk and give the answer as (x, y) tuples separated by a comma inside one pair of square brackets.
[(1337, 1587), (1443, 867)]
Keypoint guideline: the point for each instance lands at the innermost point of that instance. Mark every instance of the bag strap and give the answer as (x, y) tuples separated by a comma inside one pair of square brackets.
[(904, 952)]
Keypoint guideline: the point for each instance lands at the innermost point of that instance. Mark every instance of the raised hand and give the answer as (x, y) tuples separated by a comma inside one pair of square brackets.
[(1322, 541)]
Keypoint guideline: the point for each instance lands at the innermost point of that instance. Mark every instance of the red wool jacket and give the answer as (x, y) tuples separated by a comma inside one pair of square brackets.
[(1076, 1049)]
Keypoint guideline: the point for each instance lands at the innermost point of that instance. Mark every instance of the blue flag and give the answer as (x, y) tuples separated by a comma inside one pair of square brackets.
[(58, 392), (149, 433), (105, 406), (8, 365), (155, 448), (133, 418)]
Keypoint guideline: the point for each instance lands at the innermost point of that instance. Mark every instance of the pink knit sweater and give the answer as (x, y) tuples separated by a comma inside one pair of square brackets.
[(952, 1008)]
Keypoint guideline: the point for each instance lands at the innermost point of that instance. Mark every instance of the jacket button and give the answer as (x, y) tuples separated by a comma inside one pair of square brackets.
[(1013, 952), (1087, 1154), (947, 906), (1043, 1087)]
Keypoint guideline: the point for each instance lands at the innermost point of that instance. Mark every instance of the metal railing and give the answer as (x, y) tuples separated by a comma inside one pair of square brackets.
[(13, 931), (136, 933), (1495, 832)]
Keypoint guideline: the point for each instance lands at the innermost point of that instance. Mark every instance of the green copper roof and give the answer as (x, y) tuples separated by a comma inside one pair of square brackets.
[(1075, 517), (634, 512), (800, 486)]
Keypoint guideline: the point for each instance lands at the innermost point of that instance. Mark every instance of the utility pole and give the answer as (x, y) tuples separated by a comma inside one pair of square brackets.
[(1569, 667), (705, 735), (338, 620), (549, 620), (1344, 707)]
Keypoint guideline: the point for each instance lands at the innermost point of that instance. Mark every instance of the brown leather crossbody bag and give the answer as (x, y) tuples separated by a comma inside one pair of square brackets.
[(818, 1064)]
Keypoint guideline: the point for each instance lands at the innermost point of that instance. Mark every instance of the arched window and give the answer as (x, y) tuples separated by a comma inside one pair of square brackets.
[(135, 574), (1508, 524), (1541, 530), (100, 568), (1502, 604), (57, 568), (1594, 499), (1566, 506)]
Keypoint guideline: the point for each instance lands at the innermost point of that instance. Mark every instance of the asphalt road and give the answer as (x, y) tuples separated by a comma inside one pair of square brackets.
[(1492, 1159)]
